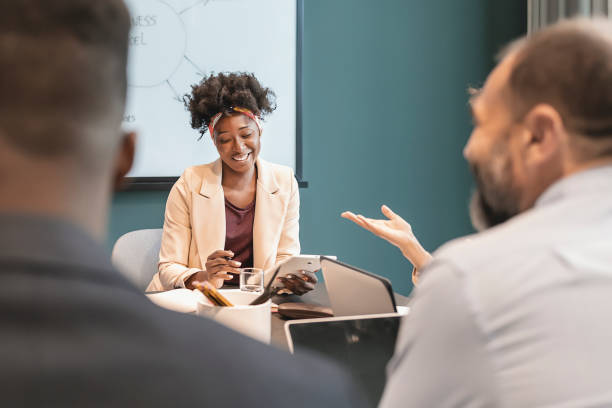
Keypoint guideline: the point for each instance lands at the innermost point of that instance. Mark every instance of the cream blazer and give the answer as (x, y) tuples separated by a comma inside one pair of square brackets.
[(194, 224)]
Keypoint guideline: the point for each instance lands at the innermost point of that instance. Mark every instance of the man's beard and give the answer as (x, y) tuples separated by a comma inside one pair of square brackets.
[(495, 200), (482, 215)]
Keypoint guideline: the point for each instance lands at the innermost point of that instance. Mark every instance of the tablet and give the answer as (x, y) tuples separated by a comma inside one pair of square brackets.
[(363, 346), (294, 264), (353, 291)]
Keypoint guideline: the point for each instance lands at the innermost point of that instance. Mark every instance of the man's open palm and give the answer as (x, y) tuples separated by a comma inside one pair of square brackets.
[(394, 229)]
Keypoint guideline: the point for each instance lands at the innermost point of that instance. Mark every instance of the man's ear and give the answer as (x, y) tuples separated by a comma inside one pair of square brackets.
[(545, 134), (125, 158)]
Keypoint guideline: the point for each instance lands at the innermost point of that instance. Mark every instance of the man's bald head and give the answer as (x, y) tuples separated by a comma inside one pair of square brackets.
[(62, 76), (544, 113), (569, 67)]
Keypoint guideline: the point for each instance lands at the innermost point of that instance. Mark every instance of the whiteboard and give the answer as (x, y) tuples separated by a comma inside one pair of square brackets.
[(173, 43)]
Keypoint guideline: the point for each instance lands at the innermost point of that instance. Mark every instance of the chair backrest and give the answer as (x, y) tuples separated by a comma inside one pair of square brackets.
[(136, 255)]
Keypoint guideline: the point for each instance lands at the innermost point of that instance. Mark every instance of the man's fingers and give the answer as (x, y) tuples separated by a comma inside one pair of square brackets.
[(388, 212), (348, 215), (362, 223), (376, 227), (368, 224), (357, 219), (351, 217)]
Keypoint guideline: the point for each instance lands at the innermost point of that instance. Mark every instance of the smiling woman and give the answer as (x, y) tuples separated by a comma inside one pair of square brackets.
[(238, 211)]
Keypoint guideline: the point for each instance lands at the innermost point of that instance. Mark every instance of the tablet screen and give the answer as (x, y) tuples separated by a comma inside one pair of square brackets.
[(362, 346)]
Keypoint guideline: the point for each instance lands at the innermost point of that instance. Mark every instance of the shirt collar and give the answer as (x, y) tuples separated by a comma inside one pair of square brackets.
[(594, 180)]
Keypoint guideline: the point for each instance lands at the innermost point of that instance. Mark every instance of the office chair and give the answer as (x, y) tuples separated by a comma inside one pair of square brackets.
[(136, 254)]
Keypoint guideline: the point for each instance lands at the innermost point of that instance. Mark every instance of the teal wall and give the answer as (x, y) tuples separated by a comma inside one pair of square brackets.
[(385, 120)]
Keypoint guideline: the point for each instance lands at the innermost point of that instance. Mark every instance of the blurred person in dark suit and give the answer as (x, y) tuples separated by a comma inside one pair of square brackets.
[(73, 331)]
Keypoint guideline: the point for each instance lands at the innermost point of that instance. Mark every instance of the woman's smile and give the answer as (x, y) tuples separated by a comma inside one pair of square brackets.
[(241, 156)]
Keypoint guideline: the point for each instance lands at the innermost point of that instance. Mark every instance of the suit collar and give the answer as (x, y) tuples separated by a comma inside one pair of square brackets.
[(269, 212), (211, 184), (266, 177)]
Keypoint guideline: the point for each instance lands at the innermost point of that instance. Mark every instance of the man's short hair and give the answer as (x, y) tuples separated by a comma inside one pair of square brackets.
[(568, 66), (62, 72)]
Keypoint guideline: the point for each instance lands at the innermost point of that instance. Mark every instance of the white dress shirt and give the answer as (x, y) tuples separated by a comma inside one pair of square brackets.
[(517, 316)]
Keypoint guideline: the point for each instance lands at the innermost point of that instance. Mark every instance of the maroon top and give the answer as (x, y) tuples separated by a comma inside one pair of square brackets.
[(239, 234)]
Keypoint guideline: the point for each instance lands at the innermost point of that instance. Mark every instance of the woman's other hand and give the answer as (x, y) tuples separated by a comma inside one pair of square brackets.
[(396, 231), (218, 266), (300, 283)]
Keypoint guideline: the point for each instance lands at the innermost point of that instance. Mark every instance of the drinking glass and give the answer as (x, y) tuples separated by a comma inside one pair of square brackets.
[(251, 279)]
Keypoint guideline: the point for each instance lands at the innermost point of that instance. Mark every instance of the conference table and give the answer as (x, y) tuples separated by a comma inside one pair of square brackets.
[(317, 297)]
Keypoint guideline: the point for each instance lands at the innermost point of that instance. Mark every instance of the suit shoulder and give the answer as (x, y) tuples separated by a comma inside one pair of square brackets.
[(278, 174), (198, 171), (193, 176), (280, 171)]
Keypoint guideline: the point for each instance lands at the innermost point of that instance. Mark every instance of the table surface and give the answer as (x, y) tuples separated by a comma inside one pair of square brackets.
[(316, 297)]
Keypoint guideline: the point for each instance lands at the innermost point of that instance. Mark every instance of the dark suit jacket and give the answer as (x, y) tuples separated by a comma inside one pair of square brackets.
[(73, 332)]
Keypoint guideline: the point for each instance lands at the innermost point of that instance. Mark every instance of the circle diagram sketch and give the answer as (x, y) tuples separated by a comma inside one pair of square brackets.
[(174, 43), (155, 55)]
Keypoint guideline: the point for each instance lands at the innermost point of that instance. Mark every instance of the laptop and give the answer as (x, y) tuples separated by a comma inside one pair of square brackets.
[(353, 291), (362, 345)]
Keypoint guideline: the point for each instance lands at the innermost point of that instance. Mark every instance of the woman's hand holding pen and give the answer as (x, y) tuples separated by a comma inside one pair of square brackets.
[(396, 231), (219, 266)]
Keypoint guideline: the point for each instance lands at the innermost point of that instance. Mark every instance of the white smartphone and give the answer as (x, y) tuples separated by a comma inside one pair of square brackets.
[(294, 264)]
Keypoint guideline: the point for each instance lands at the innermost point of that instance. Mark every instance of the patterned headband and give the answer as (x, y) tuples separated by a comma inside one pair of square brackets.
[(246, 112)]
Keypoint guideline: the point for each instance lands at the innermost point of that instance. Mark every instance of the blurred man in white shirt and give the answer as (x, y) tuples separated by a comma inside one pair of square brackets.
[(519, 315)]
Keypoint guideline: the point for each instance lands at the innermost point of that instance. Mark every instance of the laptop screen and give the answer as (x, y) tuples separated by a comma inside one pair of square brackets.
[(362, 346), (374, 292)]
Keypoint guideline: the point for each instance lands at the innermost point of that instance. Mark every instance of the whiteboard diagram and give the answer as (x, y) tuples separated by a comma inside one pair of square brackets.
[(173, 43)]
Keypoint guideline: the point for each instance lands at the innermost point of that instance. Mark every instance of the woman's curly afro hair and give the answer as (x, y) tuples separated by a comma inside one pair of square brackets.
[(221, 92)]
